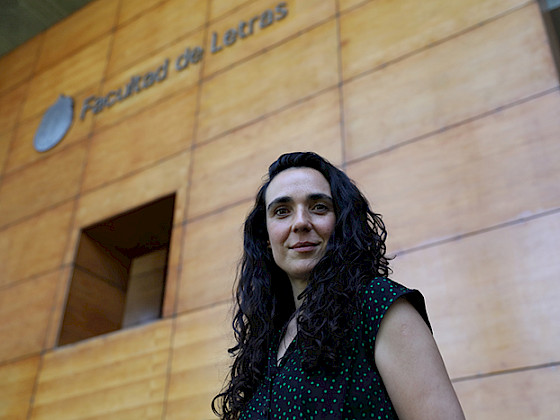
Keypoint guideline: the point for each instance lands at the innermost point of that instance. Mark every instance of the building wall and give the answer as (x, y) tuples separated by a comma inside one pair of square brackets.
[(445, 113)]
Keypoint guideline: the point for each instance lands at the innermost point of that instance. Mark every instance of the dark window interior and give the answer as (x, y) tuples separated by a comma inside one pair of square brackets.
[(119, 272)]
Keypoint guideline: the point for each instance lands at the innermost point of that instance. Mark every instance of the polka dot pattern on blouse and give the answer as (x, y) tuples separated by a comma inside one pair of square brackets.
[(354, 391)]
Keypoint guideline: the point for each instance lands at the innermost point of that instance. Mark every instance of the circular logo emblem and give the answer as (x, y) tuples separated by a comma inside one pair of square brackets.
[(55, 124)]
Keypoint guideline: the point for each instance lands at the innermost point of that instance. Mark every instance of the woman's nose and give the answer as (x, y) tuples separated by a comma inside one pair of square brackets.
[(302, 221)]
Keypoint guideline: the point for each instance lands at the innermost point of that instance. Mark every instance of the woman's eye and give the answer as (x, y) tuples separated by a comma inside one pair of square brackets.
[(320, 207), (281, 211)]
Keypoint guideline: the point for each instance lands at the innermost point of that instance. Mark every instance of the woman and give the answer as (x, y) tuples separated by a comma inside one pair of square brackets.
[(321, 332)]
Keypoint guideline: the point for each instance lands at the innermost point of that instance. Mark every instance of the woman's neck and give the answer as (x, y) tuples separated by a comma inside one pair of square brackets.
[(298, 286)]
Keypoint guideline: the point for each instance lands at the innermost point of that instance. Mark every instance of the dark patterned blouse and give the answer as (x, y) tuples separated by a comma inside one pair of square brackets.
[(355, 391)]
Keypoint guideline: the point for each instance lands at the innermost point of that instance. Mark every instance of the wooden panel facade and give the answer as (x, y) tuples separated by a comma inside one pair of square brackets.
[(120, 376), (16, 387), (472, 74), (445, 114), (530, 394)]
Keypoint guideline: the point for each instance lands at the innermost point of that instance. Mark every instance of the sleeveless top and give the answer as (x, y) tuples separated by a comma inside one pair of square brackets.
[(353, 391)]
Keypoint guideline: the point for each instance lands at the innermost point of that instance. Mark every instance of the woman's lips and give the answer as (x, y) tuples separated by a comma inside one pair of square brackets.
[(304, 246)]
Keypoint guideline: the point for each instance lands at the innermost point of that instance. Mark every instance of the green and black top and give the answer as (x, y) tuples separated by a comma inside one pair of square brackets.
[(353, 391)]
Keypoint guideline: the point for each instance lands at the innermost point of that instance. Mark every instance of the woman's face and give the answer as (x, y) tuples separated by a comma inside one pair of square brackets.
[(299, 219)]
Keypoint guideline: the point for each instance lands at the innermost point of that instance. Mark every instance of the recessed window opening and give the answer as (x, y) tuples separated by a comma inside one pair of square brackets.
[(551, 15), (118, 280)]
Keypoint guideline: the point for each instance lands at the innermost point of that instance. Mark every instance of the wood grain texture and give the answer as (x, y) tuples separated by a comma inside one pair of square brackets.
[(300, 15), (131, 9), (477, 175), (381, 31), (41, 185), (492, 297), (144, 36), (70, 76), (141, 140), (220, 7), (5, 141), (133, 191), (25, 308), (145, 288), (68, 36), (176, 81), (16, 387), (346, 4), (200, 362), (466, 76), (121, 375), (211, 250), (96, 259), (34, 246), (245, 154), (10, 106), (530, 394), (173, 268), (86, 314), (293, 71), (22, 151), (59, 303), (18, 64)]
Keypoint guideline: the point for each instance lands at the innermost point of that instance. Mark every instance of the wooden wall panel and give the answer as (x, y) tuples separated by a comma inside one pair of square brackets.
[(25, 308), (467, 178), (199, 363), (245, 154), (145, 292), (68, 36), (141, 140), (10, 106), (18, 65), (41, 185), (466, 76), (5, 140), (173, 267), (16, 388), (130, 9), (120, 376), (492, 297), (95, 259), (175, 82), (300, 15), (346, 4), (58, 307), (531, 394), (22, 151), (69, 77), (34, 246), (157, 181), (145, 35), (212, 248), (293, 71), (384, 30), (219, 8), (86, 315)]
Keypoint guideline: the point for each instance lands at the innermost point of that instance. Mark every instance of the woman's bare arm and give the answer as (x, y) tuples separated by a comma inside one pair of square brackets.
[(412, 368)]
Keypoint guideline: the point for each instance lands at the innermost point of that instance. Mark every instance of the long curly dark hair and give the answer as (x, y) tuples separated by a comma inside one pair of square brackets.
[(355, 254)]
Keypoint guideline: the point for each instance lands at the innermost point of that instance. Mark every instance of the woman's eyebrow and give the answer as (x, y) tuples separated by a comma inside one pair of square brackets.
[(284, 199), (320, 196), (287, 199)]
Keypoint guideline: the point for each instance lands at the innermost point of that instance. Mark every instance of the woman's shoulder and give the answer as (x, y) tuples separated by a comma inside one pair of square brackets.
[(383, 285), (383, 290), (380, 293)]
